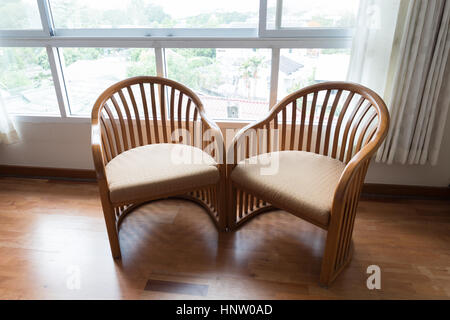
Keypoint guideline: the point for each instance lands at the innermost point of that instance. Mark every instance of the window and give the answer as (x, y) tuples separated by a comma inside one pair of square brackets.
[(19, 14), (155, 14), (26, 83), (89, 71), (287, 18), (232, 83), (313, 14), (303, 67), (240, 57)]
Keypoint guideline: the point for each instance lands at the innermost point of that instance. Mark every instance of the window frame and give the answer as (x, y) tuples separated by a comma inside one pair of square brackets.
[(285, 32), (53, 39)]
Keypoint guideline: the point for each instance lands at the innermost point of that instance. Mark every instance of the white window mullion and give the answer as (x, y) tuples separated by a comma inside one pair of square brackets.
[(262, 18), (161, 71), (54, 59), (275, 67), (279, 14), (46, 18), (58, 81), (320, 41), (160, 65)]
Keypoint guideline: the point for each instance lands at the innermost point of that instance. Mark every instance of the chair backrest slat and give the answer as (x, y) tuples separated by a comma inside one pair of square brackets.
[(162, 105), (110, 143), (334, 119), (293, 124), (180, 109), (356, 124), (155, 117), (283, 129), (302, 123), (195, 129), (321, 118), (106, 153), (187, 119), (146, 115), (137, 117), (330, 122), (129, 117), (364, 131), (115, 129), (347, 127), (311, 122), (122, 123), (172, 110), (338, 125)]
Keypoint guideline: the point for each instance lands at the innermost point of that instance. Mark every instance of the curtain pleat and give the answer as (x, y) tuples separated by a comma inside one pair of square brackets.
[(415, 95), (432, 94), (8, 133)]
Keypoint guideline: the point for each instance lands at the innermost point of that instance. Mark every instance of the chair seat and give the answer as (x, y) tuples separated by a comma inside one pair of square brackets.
[(303, 183), (158, 170)]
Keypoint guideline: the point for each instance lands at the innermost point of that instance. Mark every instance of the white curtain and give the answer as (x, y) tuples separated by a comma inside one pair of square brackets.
[(8, 133), (372, 43), (412, 80)]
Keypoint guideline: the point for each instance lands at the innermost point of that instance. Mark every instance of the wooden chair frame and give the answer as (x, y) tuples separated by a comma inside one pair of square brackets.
[(119, 123), (359, 140)]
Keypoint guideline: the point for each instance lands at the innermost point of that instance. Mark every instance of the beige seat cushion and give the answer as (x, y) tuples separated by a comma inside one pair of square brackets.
[(159, 169), (304, 183)]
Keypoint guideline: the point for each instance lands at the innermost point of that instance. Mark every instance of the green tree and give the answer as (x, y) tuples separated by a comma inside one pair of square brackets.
[(15, 14), (141, 62), (197, 52), (249, 70), (213, 20), (310, 80), (72, 55), (195, 68), (22, 67)]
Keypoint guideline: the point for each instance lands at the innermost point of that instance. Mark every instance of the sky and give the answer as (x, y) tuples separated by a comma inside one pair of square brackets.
[(181, 8)]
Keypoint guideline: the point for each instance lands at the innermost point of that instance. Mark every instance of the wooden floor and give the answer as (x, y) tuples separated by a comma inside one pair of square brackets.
[(52, 234)]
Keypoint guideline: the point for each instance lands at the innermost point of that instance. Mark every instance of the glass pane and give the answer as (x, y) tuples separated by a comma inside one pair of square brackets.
[(300, 68), (19, 14), (303, 67), (155, 13), (90, 71), (232, 83), (314, 14), (26, 83), (271, 14)]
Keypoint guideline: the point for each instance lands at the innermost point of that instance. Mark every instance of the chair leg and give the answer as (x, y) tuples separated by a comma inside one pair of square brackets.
[(328, 261), (222, 207), (231, 199), (337, 255), (113, 234)]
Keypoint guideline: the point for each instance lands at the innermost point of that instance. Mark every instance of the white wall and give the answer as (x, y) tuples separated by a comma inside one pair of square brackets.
[(67, 145), (58, 145)]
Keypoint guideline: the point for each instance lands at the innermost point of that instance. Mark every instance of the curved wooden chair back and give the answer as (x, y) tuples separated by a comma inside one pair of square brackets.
[(336, 119), (341, 120), (146, 110)]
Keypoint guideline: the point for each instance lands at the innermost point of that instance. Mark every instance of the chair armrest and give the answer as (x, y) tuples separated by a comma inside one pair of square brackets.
[(362, 157), (97, 154), (232, 150), (352, 179), (217, 133)]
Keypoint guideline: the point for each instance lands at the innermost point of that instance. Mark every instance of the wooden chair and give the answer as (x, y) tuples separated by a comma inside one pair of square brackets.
[(320, 141), (151, 139)]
